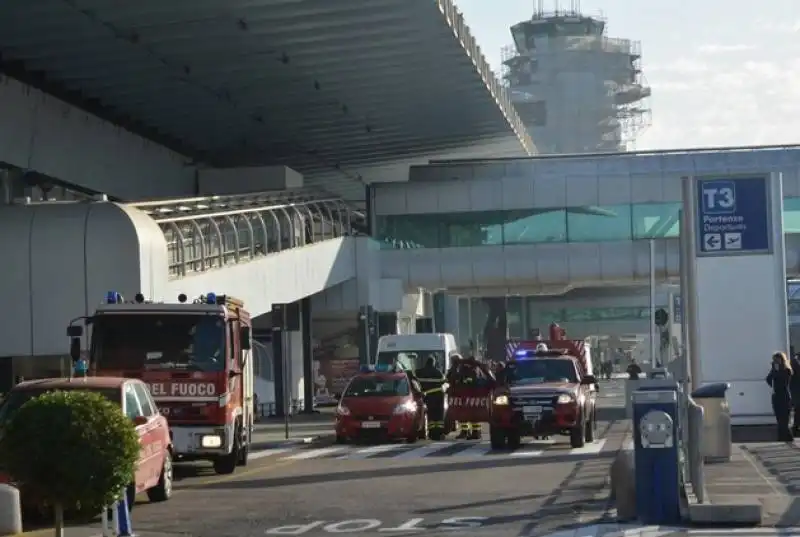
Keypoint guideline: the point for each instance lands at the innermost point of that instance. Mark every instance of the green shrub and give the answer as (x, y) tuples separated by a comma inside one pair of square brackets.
[(71, 448)]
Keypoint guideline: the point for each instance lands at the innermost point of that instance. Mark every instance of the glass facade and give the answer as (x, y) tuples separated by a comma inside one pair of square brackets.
[(585, 315), (535, 226)]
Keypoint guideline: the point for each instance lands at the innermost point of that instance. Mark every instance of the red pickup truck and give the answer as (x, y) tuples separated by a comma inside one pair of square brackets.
[(546, 389)]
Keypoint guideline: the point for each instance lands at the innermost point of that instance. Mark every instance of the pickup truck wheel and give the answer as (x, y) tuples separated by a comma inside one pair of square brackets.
[(577, 436), (497, 438), (514, 440), (591, 428)]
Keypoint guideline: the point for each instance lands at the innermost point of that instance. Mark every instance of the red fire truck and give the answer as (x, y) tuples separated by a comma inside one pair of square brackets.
[(195, 356)]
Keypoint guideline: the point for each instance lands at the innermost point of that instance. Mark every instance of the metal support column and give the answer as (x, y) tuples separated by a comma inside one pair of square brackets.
[(279, 360), (308, 356)]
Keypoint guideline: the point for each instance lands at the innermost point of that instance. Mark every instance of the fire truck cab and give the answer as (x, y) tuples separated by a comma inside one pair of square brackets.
[(196, 358)]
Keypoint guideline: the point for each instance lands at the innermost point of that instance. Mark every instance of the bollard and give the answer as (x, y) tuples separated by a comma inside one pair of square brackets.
[(623, 484), (123, 525), (10, 511), (656, 457), (695, 451)]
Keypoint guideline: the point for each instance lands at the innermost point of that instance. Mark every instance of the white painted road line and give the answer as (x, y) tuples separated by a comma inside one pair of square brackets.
[(423, 451), (313, 453), (369, 452), (255, 455)]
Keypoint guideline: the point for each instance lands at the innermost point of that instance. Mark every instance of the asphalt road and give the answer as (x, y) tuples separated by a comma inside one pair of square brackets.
[(428, 488)]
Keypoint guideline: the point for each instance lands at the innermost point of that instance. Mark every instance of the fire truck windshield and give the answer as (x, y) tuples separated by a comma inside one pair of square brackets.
[(540, 370), (133, 342)]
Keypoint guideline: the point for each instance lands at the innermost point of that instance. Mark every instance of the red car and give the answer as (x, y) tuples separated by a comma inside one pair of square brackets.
[(154, 471), (381, 405)]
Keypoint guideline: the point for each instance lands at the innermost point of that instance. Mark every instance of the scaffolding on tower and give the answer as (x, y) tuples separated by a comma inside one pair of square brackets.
[(576, 89)]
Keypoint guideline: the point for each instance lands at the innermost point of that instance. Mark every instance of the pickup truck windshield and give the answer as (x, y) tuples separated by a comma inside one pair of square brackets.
[(159, 341), (377, 387), (17, 398), (542, 370)]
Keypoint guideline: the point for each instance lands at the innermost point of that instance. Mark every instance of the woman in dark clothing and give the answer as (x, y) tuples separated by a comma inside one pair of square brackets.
[(780, 379)]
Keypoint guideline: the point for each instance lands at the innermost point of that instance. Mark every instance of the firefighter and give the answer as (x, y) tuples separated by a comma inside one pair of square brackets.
[(468, 375), (433, 387)]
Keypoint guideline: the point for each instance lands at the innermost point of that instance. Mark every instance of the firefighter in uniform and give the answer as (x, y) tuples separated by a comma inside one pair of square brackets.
[(433, 387), (467, 374)]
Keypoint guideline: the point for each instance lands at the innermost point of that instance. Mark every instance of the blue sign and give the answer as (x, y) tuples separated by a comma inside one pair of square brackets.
[(733, 216)]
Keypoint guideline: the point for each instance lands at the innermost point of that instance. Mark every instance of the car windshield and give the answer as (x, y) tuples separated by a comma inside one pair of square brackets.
[(541, 370), (377, 387), (412, 360), (194, 342), (17, 398)]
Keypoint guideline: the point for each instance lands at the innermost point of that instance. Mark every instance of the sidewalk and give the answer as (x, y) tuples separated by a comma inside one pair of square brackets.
[(87, 531), (303, 428), (759, 472)]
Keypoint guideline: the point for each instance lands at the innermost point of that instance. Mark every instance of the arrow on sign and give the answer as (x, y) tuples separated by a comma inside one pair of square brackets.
[(712, 241)]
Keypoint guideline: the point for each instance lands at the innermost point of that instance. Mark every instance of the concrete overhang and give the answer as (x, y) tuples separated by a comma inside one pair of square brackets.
[(312, 84)]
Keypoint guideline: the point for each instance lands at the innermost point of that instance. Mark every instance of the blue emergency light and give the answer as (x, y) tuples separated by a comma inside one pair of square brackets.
[(366, 369), (384, 368), (211, 298), (112, 297)]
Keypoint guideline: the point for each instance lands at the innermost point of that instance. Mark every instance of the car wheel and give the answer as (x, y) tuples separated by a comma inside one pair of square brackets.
[(163, 490)]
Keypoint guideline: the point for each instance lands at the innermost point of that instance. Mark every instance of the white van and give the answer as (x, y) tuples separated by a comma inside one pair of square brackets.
[(411, 351)]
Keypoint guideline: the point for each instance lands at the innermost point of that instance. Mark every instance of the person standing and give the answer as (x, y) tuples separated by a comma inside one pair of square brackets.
[(780, 379), (794, 389)]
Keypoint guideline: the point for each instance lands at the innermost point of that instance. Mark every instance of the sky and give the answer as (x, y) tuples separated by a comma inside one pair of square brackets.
[(723, 72)]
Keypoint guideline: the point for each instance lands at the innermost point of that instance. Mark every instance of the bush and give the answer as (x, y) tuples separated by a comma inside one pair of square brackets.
[(71, 448)]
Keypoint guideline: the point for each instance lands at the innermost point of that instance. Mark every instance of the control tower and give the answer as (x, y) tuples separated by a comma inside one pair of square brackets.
[(576, 89)]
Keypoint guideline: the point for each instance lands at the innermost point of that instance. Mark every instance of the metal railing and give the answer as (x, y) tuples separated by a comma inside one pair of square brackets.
[(210, 232)]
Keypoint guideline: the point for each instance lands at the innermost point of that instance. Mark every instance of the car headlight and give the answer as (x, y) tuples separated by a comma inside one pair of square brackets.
[(501, 400), (405, 408), (565, 399), (342, 410)]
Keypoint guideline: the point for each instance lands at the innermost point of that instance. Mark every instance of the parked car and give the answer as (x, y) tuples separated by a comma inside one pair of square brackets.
[(154, 470)]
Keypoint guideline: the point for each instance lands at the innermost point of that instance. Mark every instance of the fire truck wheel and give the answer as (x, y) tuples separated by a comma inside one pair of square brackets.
[(514, 439), (497, 438), (163, 490), (244, 450), (577, 436), (226, 464)]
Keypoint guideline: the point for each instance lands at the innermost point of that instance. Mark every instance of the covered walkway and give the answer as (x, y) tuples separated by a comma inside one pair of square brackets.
[(316, 85)]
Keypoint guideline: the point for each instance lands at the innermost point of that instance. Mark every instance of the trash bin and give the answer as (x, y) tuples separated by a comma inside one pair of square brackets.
[(716, 442)]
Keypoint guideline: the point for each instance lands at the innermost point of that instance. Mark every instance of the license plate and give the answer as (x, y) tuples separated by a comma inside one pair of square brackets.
[(532, 410), (371, 424)]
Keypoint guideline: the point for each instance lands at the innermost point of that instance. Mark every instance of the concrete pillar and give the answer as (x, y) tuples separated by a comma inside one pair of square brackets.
[(308, 356), (287, 348), (450, 314), (225, 181)]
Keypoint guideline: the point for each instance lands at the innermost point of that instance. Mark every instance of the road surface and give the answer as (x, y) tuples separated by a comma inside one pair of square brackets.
[(430, 487)]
